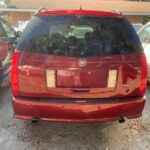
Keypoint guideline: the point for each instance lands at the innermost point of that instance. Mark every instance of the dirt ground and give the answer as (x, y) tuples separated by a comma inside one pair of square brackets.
[(23, 135)]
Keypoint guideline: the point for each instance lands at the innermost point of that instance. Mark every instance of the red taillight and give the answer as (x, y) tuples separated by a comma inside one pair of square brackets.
[(14, 74), (144, 69)]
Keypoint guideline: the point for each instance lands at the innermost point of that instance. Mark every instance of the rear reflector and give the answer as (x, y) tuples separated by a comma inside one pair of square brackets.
[(50, 78), (112, 76), (14, 74)]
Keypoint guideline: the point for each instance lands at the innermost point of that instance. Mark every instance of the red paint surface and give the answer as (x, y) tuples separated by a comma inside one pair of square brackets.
[(79, 83), (32, 76), (32, 83), (28, 108)]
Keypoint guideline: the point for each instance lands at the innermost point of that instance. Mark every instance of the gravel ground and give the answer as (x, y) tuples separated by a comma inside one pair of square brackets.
[(23, 135)]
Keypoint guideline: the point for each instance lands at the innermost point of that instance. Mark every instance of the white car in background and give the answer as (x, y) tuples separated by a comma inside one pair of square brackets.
[(21, 26), (144, 35)]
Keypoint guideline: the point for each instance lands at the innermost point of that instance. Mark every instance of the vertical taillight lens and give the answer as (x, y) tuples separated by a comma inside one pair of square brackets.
[(144, 69), (14, 74)]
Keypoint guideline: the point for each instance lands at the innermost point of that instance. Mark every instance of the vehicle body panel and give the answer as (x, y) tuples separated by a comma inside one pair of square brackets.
[(32, 68), (86, 87), (77, 110)]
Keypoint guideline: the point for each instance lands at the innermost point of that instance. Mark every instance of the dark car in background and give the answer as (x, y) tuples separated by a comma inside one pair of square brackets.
[(78, 66), (7, 45)]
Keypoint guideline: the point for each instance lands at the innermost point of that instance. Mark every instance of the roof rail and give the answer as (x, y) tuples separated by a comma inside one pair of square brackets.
[(116, 11), (39, 10)]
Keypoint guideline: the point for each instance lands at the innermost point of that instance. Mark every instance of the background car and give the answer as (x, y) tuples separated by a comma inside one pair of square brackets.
[(20, 26), (137, 26), (7, 46), (144, 35)]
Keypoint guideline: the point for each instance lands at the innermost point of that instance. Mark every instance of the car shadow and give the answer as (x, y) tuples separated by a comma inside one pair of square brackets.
[(4, 93), (68, 135)]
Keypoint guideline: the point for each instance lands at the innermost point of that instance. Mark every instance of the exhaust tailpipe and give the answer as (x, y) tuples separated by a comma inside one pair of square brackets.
[(121, 120), (35, 120)]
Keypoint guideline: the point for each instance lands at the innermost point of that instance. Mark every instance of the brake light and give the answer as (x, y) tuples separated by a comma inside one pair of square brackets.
[(50, 78), (144, 69), (14, 74)]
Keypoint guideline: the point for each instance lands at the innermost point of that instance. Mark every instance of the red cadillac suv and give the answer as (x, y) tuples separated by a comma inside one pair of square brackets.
[(78, 66)]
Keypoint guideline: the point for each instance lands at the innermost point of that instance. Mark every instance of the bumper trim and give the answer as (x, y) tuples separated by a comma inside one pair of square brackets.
[(25, 108), (77, 120)]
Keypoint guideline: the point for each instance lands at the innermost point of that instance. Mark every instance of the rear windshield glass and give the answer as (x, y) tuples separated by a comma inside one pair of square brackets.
[(79, 36)]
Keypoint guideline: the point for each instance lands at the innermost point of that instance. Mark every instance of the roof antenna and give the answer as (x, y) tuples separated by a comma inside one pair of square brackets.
[(80, 8)]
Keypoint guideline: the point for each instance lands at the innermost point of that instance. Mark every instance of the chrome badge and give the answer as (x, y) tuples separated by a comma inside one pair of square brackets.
[(82, 62)]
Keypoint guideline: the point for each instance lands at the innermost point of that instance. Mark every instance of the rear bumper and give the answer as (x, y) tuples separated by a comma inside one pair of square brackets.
[(78, 111)]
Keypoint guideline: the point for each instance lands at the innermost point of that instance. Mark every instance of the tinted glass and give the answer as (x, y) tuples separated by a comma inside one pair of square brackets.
[(79, 36)]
